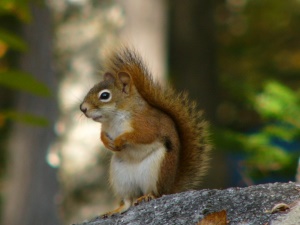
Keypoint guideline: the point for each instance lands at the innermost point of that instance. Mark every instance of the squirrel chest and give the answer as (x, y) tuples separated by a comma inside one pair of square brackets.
[(134, 171), (117, 125), (138, 175)]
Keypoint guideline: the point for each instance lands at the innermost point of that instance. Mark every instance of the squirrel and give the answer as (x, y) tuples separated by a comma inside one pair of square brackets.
[(159, 139)]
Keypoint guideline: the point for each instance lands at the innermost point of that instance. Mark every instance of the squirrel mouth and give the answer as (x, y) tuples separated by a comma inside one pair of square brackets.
[(97, 118)]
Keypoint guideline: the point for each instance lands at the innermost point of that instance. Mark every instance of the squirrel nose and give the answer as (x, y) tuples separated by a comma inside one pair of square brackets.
[(83, 108)]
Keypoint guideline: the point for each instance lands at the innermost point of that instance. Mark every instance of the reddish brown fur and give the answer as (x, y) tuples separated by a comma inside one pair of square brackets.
[(193, 145), (150, 126), (143, 120)]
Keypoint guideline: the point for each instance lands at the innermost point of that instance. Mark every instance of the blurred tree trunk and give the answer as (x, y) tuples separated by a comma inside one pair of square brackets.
[(85, 30), (31, 185), (192, 51), (146, 30), (193, 63)]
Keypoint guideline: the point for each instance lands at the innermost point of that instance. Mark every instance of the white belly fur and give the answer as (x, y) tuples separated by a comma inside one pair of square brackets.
[(131, 177)]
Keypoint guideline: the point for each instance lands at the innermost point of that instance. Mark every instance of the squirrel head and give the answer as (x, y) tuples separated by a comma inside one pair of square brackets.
[(108, 97)]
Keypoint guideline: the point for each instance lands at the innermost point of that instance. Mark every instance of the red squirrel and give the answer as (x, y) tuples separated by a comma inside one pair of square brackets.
[(158, 138)]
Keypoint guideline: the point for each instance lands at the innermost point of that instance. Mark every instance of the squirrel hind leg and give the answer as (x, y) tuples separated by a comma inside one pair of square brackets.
[(124, 206), (144, 198)]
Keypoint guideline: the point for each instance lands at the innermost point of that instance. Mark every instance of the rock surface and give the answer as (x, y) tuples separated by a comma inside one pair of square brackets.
[(250, 205)]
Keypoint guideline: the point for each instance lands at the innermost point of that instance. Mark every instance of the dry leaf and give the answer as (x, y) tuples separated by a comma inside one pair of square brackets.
[(216, 218), (279, 208)]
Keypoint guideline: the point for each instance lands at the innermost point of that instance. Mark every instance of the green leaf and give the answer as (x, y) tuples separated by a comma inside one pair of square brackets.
[(25, 118), (22, 81), (284, 132), (276, 100), (18, 8), (12, 40)]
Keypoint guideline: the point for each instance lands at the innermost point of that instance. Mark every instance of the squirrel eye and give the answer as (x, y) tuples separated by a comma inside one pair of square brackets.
[(104, 95)]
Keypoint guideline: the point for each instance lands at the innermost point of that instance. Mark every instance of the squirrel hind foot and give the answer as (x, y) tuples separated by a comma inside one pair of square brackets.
[(144, 198), (124, 206)]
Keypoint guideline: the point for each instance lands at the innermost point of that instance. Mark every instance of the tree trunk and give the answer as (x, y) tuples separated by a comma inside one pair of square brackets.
[(85, 30), (32, 185), (146, 30), (193, 65), (192, 51)]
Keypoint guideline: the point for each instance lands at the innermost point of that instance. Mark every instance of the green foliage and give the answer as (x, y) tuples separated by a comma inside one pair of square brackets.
[(22, 81), (12, 41), (279, 102), (18, 8), (259, 59), (24, 118), (9, 77)]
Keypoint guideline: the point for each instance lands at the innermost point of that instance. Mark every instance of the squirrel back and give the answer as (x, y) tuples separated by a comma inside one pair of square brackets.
[(191, 127)]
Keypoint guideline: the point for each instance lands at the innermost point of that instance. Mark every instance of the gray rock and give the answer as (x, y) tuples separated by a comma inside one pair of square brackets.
[(250, 205)]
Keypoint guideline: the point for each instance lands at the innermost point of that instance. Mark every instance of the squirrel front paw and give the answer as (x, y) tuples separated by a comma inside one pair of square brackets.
[(107, 141), (115, 145), (120, 143)]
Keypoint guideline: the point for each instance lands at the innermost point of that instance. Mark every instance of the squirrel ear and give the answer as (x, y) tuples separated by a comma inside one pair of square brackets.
[(108, 77), (125, 81)]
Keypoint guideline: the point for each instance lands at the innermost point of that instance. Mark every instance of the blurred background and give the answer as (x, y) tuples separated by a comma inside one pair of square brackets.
[(240, 59)]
